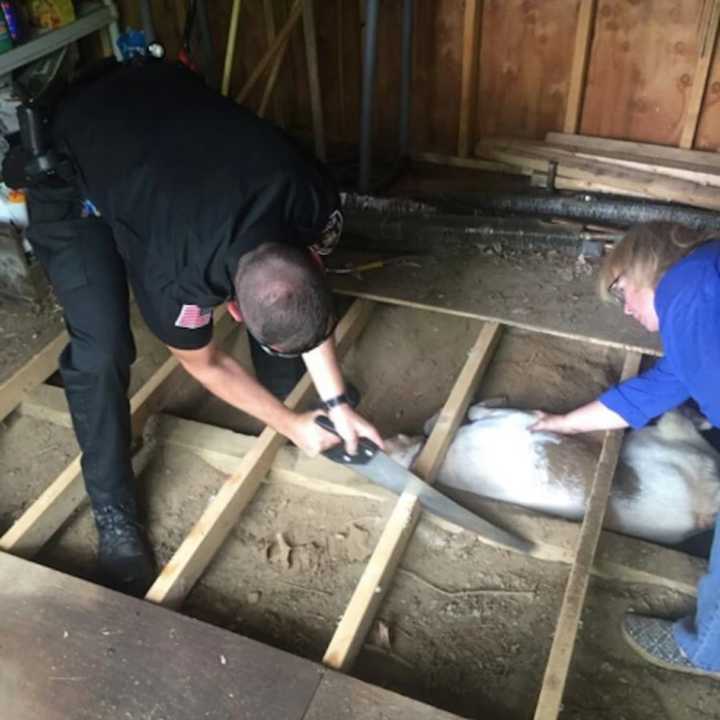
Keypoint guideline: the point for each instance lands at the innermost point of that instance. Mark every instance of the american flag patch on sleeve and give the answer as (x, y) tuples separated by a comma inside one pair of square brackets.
[(192, 317)]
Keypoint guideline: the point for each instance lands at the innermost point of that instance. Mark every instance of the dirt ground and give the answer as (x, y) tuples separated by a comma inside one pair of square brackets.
[(25, 330), (465, 626)]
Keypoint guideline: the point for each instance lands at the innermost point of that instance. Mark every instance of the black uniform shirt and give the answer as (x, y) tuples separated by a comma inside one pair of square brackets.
[(188, 181)]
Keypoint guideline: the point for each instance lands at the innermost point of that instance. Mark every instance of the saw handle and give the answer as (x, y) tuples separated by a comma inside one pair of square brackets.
[(367, 449)]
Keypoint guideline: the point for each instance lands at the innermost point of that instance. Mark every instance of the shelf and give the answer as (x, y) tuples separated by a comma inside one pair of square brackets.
[(91, 20)]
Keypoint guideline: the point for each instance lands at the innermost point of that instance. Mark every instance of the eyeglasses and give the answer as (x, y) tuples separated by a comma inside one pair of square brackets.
[(616, 292), (290, 355)]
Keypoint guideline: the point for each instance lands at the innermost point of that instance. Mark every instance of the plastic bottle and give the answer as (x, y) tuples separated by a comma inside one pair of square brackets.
[(12, 207), (12, 21), (6, 42)]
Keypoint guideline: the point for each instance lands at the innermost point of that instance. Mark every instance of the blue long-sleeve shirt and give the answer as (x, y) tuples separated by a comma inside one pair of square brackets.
[(687, 302)]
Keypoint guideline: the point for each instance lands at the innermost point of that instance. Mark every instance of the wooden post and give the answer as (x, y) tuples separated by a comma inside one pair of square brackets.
[(314, 77), (578, 74), (702, 71), (468, 87), (230, 50), (374, 583), (556, 671)]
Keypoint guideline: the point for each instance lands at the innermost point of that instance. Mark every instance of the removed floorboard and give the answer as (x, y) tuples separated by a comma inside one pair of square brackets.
[(71, 649), (555, 296)]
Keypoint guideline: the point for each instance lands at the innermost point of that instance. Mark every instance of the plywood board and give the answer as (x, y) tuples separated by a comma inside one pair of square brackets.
[(75, 650), (642, 62), (522, 291), (525, 64), (437, 74)]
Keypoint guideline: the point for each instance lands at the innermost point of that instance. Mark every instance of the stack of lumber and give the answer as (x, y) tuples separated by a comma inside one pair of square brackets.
[(579, 162)]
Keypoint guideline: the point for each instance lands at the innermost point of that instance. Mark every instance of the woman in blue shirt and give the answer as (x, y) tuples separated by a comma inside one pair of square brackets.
[(667, 277)]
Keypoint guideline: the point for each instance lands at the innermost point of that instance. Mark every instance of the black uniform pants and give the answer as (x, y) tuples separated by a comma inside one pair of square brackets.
[(90, 281)]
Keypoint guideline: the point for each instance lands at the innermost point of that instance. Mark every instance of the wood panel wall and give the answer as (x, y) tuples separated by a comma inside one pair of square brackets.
[(642, 63), (641, 69)]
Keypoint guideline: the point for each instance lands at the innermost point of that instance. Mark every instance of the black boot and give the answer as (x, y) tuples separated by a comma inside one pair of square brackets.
[(125, 562)]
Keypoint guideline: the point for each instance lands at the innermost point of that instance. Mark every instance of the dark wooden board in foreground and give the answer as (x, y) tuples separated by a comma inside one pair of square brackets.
[(70, 650), (541, 291)]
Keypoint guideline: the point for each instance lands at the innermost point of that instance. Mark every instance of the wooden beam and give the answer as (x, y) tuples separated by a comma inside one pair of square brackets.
[(47, 403), (311, 53), (64, 494), (209, 532), (34, 372), (556, 671), (653, 153), (272, 79), (341, 65), (655, 186), (469, 163), (374, 583), (230, 49), (702, 72), (619, 558), (268, 7), (280, 39), (695, 172), (468, 83), (578, 74)]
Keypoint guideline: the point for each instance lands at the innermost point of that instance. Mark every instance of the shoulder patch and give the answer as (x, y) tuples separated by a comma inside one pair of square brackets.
[(330, 234), (193, 317)]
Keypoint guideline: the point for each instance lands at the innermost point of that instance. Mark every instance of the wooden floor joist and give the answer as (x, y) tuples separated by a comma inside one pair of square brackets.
[(63, 496), (209, 532), (38, 369), (375, 581), (558, 665), (619, 559)]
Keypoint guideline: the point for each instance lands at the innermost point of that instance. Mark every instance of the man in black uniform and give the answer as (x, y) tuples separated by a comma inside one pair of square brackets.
[(196, 202)]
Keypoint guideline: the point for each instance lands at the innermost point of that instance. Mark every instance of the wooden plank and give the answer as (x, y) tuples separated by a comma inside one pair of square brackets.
[(684, 170), (651, 153), (268, 8), (33, 373), (272, 79), (556, 671), (311, 54), (47, 403), (619, 558), (578, 74), (375, 581), (563, 183), (469, 163), (72, 649), (522, 291), (64, 494), (280, 39), (455, 408), (468, 82), (655, 186), (700, 78), (209, 532), (58, 626), (230, 49)]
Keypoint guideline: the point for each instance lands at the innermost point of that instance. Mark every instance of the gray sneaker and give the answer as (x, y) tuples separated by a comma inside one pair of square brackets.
[(653, 639)]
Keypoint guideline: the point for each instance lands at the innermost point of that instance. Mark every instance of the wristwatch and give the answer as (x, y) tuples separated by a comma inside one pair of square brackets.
[(334, 402)]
